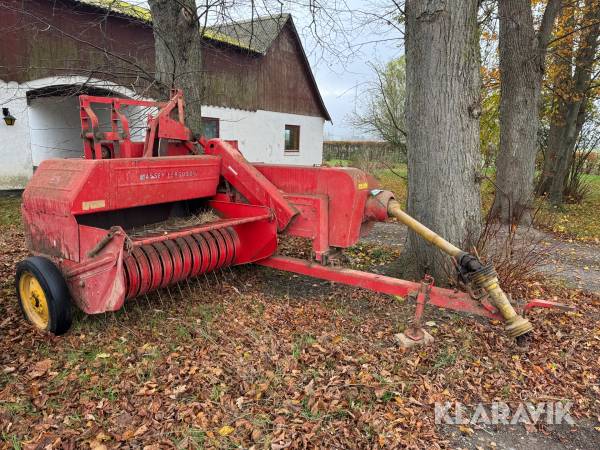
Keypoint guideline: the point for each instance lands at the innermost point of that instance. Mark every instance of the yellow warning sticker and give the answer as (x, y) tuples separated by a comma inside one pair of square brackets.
[(93, 204), (363, 185)]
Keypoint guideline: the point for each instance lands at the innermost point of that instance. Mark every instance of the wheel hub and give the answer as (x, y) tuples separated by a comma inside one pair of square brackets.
[(33, 299)]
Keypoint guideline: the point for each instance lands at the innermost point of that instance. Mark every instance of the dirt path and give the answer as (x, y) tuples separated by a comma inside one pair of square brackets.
[(576, 263)]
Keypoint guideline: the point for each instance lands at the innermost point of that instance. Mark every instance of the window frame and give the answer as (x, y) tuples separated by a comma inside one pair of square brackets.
[(212, 119), (296, 141)]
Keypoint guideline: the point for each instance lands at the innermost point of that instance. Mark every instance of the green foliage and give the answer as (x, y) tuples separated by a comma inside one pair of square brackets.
[(489, 132), (383, 111)]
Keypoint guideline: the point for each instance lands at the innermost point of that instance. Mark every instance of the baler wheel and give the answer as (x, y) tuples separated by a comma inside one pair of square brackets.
[(43, 295)]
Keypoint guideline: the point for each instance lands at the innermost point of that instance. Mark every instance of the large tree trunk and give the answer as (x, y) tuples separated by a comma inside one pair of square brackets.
[(522, 54), (554, 144), (442, 116), (178, 56)]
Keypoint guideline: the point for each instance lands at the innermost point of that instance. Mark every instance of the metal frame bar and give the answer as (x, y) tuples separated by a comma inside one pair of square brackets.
[(442, 298), (223, 223)]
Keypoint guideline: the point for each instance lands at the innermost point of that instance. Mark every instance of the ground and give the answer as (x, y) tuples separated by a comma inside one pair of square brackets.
[(251, 357)]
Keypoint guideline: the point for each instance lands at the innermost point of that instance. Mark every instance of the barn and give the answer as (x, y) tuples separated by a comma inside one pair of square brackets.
[(257, 84)]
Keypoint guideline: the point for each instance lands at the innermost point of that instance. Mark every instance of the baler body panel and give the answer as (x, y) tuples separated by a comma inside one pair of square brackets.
[(83, 186), (345, 189), (249, 182), (61, 190)]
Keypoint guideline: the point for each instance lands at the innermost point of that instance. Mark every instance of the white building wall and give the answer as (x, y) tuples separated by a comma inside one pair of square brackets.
[(46, 127), (55, 126), (260, 134), (49, 127), (16, 165)]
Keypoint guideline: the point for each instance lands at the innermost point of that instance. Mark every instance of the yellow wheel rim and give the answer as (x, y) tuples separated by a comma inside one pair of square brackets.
[(33, 300)]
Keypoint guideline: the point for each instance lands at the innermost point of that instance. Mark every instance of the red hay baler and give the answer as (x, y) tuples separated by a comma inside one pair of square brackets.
[(133, 217)]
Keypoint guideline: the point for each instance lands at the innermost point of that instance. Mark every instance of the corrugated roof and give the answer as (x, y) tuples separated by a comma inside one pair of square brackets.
[(257, 34)]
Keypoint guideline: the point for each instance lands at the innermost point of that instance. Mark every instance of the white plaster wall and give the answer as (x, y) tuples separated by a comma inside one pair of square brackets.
[(55, 127), (48, 127), (55, 130), (15, 154), (260, 134)]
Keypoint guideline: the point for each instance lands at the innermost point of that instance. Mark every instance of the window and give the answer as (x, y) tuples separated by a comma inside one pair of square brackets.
[(210, 127), (292, 138)]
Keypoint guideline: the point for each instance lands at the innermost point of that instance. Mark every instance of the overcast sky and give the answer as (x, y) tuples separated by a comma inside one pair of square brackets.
[(342, 82), (353, 39)]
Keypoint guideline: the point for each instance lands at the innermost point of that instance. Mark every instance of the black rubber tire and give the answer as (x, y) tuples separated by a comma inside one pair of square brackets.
[(55, 288)]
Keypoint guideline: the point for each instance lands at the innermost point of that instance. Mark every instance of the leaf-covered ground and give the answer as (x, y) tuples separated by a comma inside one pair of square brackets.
[(254, 358)]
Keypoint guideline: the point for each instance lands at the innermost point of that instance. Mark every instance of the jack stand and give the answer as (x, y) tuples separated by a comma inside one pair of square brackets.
[(415, 334)]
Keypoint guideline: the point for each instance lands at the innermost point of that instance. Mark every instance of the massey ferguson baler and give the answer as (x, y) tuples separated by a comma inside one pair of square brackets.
[(133, 217)]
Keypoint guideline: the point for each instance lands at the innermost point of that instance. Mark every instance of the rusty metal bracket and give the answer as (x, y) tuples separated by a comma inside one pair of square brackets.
[(415, 331), (540, 303), (103, 242)]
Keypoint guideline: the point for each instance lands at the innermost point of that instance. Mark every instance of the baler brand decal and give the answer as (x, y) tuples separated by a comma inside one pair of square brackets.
[(93, 204), (363, 185), (167, 175)]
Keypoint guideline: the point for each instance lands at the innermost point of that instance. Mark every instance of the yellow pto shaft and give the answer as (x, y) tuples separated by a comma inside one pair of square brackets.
[(483, 277)]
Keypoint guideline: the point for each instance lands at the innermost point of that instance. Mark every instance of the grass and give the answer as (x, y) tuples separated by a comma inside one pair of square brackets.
[(339, 162), (301, 342), (11, 439), (577, 221), (571, 221), (395, 180), (10, 210)]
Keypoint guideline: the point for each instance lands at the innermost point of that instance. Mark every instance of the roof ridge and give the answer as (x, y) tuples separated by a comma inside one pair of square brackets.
[(141, 13), (121, 7), (213, 33), (254, 19)]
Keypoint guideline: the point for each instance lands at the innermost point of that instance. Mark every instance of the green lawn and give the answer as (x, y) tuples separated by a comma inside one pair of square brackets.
[(10, 211), (572, 221), (577, 221)]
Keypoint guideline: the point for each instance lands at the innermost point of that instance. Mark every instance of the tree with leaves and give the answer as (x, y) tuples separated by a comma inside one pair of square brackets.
[(571, 81), (383, 112)]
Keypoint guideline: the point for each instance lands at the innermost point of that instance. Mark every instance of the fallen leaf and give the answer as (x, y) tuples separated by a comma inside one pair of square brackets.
[(466, 430), (141, 430), (40, 368), (226, 430)]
